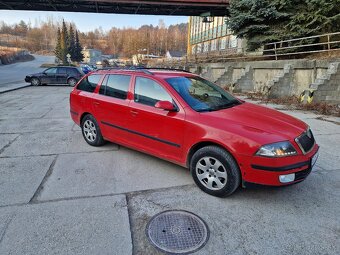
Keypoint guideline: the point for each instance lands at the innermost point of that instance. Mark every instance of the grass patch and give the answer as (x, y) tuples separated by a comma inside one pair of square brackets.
[(293, 103)]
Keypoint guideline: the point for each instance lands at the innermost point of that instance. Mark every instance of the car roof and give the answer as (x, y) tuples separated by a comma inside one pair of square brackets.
[(152, 72)]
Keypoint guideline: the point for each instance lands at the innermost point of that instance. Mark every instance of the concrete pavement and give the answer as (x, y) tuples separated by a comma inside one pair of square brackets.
[(12, 76), (60, 196)]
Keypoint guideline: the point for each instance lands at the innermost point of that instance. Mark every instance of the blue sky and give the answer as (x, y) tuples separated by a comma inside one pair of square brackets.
[(89, 21)]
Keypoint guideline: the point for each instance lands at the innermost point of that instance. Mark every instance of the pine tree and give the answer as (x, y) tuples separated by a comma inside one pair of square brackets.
[(315, 17), (63, 43), (258, 21), (58, 51), (78, 49), (71, 44)]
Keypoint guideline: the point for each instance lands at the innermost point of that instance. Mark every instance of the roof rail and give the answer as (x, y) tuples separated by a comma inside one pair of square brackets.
[(145, 70), (165, 68)]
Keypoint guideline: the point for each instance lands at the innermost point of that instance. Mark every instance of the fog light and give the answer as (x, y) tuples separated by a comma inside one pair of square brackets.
[(287, 178)]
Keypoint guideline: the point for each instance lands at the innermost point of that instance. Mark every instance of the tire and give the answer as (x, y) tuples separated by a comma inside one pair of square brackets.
[(72, 82), (215, 171), (91, 131), (35, 81)]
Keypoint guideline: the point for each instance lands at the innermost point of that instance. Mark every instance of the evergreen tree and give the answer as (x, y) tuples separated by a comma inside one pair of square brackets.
[(265, 21), (63, 43), (78, 49), (258, 21), (58, 51), (71, 44), (313, 17)]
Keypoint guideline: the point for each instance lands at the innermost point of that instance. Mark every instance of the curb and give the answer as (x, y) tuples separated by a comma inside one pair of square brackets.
[(13, 89)]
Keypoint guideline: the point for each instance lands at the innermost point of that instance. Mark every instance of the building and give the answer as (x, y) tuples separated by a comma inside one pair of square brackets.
[(92, 56), (211, 34), (173, 54), (142, 59)]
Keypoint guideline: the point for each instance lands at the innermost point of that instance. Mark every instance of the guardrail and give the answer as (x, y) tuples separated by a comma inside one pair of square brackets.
[(329, 42), (291, 47)]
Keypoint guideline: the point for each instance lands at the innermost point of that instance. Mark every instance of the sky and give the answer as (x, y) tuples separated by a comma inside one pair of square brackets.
[(89, 21)]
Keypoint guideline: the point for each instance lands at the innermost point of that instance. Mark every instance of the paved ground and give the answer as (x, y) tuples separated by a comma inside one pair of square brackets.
[(12, 76), (60, 196)]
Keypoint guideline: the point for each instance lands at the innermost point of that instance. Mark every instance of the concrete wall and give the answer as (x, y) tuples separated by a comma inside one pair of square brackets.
[(278, 78)]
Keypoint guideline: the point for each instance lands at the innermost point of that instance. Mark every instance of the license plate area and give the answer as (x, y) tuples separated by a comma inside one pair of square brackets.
[(314, 159)]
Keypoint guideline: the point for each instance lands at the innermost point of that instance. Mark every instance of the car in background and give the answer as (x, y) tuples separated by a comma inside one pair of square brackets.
[(86, 68), (56, 75), (185, 119)]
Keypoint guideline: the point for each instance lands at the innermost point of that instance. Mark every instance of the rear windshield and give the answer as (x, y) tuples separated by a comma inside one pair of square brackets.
[(202, 95)]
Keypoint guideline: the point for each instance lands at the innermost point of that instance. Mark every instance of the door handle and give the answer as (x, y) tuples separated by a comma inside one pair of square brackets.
[(96, 103), (134, 113)]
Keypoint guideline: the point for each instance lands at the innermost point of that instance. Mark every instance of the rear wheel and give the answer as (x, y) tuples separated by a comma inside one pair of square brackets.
[(215, 171), (72, 82), (91, 131), (35, 82)]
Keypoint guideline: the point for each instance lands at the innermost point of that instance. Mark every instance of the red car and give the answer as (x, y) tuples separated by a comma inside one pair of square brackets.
[(183, 118)]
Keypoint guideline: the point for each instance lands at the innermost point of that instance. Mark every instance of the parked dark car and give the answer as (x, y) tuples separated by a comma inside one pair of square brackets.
[(56, 75)]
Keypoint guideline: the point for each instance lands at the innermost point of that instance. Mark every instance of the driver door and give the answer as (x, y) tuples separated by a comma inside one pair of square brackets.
[(154, 130), (49, 76)]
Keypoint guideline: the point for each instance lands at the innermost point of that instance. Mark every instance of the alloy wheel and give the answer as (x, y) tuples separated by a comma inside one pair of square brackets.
[(90, 131), (211, 173)]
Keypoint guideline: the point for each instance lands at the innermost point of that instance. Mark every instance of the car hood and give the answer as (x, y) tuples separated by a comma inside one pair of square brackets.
[(259, 118)]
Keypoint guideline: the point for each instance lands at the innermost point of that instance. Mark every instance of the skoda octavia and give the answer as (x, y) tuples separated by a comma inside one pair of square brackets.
[(183, 118)]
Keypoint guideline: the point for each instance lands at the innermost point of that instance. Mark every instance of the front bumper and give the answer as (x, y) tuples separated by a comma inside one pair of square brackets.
[(278, 171)]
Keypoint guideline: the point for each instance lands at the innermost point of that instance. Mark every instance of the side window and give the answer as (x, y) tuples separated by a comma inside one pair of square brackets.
[(115, 85), (62, 70), (51, 71), (150, 92), (89, 83), (72, 71)]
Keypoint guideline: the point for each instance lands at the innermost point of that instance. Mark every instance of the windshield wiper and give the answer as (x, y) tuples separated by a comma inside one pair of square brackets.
[(227, 105)]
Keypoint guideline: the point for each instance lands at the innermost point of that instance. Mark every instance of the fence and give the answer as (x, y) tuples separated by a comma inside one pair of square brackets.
[(298, 47), (322, 43)]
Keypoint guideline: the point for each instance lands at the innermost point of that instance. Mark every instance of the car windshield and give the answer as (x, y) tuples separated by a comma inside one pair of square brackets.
[(201, 94)]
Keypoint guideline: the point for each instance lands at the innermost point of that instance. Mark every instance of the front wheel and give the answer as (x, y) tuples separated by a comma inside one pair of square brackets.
[(72, 82), (91, 131), (215, 171), (35, 82)]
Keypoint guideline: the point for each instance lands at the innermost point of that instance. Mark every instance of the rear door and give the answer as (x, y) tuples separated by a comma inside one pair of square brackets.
[(155, 130), (61, 76), (81, 98), (111, 106)]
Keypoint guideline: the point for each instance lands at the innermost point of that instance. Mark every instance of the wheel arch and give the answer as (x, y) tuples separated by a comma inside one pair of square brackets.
[(206, 143), (83, 116)]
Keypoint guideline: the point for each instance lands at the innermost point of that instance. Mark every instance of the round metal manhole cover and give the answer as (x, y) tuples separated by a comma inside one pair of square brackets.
[(177, 232)]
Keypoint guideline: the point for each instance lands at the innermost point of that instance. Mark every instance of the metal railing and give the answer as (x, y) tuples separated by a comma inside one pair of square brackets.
[(329, 42), (324, 42)]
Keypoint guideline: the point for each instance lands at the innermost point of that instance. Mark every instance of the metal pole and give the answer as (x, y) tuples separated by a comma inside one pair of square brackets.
[(275, 51)]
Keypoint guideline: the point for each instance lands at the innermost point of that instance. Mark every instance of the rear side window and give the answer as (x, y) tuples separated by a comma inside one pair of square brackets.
[(150, 92), (89, 84), (62, 70), (72, 71), (116, 85)]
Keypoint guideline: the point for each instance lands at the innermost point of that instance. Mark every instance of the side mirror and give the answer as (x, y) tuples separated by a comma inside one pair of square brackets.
[(166, 106)]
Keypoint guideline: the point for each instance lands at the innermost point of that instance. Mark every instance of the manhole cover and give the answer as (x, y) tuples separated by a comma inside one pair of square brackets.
[(177, 232)]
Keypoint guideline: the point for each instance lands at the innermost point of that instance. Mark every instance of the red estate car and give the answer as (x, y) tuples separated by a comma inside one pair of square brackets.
[(185, 119)]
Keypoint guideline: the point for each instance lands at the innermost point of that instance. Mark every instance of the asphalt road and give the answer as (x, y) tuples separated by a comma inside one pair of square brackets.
[(59, 195), (13, 75)]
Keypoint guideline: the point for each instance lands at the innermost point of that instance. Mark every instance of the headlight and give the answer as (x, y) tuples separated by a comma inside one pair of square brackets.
[(281, 149)]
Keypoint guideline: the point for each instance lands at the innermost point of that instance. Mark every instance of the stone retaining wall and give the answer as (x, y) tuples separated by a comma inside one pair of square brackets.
[(275, 78)]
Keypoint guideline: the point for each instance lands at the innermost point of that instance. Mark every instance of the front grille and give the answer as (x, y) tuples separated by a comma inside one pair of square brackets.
[(299, 176), (306, 141)]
